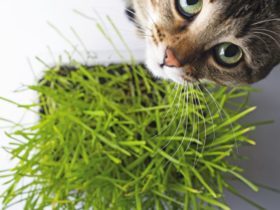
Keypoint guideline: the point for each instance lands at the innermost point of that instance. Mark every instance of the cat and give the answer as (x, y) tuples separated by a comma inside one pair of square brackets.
[(227, 42)]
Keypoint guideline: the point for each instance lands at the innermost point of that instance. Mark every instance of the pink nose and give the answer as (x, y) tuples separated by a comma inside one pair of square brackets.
[(170, 59)]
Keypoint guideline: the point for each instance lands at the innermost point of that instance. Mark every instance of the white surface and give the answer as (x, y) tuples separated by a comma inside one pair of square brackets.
[(25, 33)]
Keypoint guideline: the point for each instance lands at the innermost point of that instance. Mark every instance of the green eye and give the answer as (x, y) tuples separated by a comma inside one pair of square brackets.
[(228, 54), (189, 8)]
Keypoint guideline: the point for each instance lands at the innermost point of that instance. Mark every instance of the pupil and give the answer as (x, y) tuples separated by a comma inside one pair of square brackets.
[(191, 2), (231, 51)]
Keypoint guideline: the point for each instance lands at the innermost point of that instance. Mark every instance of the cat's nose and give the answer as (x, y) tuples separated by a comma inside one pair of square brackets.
[(170, 59)]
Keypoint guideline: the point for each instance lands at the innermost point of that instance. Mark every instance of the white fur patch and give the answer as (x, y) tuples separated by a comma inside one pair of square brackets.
[(154, 57)]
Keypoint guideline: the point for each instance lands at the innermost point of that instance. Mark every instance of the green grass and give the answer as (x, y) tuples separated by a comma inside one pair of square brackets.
[(114, 138)]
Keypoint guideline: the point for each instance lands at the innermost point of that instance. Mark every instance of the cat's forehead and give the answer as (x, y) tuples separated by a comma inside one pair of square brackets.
[(221, 19), (212, 10), (210, 20)]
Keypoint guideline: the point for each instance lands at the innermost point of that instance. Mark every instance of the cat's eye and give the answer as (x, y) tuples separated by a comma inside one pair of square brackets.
[(189, 8), (228, 54)]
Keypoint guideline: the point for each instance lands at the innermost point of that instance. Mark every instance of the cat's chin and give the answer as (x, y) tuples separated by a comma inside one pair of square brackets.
[(167, 73)]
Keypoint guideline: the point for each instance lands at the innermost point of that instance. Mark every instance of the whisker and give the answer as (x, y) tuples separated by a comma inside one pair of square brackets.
[(210, 112), (193, 129), (265, 21), (143, 28), (169, 110), (268, 35), (183, 111), (180, 121), (176, 87), (141, 32), (187, 111), (261, 39), (137, 23), (205, 128), (195, 120), (149, 16), (220, 111), (144, 35), (204, 121), (266, 30)]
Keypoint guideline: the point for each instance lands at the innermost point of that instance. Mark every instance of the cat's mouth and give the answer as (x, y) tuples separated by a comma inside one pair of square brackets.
[(189, 79), (185, 73)]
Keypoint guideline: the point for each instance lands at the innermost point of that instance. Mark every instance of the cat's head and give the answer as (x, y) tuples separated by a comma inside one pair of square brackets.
[(223, 41)]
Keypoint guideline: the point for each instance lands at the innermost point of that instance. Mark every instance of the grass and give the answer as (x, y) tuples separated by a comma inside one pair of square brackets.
[(111, 137)]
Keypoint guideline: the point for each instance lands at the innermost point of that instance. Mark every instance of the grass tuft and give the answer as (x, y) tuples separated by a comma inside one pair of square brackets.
[(111, 137)]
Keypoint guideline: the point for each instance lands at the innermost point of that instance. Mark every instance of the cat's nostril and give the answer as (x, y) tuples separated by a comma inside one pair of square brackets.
[(170, 59)]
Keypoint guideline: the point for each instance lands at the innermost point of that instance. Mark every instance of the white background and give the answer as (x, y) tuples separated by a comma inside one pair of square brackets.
[(26, 33)]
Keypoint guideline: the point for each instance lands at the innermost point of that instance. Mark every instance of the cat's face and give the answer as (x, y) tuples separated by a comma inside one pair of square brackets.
[(223, 41)]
